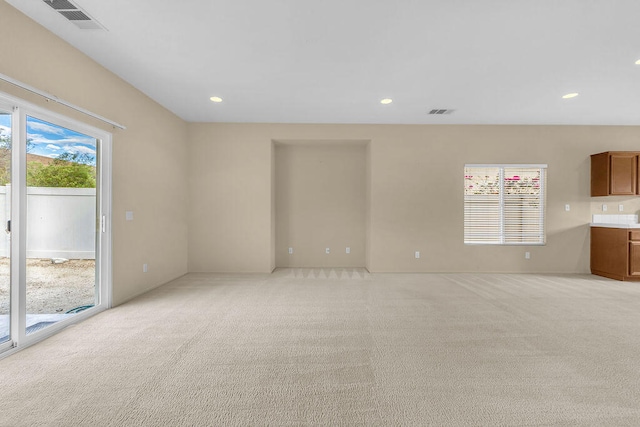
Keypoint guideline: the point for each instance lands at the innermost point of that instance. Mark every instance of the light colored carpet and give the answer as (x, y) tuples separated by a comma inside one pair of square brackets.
[(342, 347)]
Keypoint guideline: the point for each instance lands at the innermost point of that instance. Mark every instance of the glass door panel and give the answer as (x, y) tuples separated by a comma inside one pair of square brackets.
[(61, 223), (5, 216)]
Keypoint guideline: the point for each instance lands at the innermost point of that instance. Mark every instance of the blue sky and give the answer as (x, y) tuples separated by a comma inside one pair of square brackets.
[(51, 140), (5, 121)]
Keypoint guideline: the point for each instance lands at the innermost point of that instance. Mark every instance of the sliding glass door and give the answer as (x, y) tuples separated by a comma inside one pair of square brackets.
[(5, 217), (62, 232), (55, 201)]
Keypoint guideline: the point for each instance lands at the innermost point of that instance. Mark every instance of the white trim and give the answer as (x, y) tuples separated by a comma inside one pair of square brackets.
[(58, 100), (103, 248), (543, 205), (13, 289), (5, 347), (481, 221), (49, 331), (504, 244), (501, 198), (21, 110), (18, 227), (505, 165)]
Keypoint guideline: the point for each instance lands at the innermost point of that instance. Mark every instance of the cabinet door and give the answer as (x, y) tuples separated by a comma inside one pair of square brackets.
[(624, 170), (600, 174), (634, 258)]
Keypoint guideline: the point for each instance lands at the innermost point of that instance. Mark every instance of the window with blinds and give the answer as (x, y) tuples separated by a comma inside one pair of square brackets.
[(504, 204)]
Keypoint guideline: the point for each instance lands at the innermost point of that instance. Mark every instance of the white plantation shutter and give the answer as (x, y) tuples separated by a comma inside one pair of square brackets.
[(504, 204), (482, 205)]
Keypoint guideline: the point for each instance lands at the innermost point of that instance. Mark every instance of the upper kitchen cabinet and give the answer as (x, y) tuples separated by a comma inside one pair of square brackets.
[(614, 173)]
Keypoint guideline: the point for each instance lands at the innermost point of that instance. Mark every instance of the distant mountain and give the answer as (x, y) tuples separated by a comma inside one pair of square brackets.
[(39, 159)]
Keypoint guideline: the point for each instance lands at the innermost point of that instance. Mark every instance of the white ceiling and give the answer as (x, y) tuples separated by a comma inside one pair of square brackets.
[(331, 61)]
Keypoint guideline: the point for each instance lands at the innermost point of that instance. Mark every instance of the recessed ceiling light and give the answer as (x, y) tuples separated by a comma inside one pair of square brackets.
[(216, 99), (570, 95), (638, 62), (386, 101)]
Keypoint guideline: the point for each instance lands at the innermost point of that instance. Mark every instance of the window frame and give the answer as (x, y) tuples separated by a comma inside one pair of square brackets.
[(501, 197)]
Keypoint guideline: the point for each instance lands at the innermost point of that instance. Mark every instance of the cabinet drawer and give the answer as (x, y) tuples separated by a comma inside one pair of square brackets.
[(634, 235)]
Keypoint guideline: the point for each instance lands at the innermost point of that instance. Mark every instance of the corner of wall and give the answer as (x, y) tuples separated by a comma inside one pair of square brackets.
[(273, 206), (367, 247)]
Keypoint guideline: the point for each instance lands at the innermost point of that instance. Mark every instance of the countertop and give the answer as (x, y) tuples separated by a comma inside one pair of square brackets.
[(608, 225)]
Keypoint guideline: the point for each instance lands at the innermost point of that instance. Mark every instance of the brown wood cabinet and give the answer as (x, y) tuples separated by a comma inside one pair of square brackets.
[(615, 173), (615, 253)]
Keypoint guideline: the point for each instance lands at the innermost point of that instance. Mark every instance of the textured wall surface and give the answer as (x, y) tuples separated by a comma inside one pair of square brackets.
[(149, 157), (320, 203), (414, 182)]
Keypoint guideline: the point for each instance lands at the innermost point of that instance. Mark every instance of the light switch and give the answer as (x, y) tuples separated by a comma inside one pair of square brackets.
[(348, 250), (290, 251), (327, 250), (417, 254), (567, 207), (129, 215)]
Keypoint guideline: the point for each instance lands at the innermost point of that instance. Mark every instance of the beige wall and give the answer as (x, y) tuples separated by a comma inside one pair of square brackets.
[(415, 185), (149, 157), (204, 194), (367, 219), (320, 203), (230, 208)]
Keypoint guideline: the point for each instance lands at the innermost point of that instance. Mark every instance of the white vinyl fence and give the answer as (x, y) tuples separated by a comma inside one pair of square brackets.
[(61, 222)]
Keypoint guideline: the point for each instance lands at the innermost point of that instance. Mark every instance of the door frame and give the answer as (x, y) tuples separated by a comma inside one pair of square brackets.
[(21, 109), (9, 107)]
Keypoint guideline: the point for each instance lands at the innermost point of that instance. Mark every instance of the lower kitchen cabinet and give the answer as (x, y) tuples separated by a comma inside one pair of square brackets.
[(615, 253), (634, 259)]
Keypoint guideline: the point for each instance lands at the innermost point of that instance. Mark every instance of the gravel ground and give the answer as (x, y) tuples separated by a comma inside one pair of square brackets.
[(52, 288)]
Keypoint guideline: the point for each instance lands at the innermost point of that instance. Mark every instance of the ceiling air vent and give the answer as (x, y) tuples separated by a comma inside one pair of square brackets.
[(74, 14), (441, 111)]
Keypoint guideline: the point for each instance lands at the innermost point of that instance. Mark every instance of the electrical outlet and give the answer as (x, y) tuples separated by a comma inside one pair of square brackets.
[(290, 251), (527, 255), (417, 254), (620, 208), (604, 208)]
